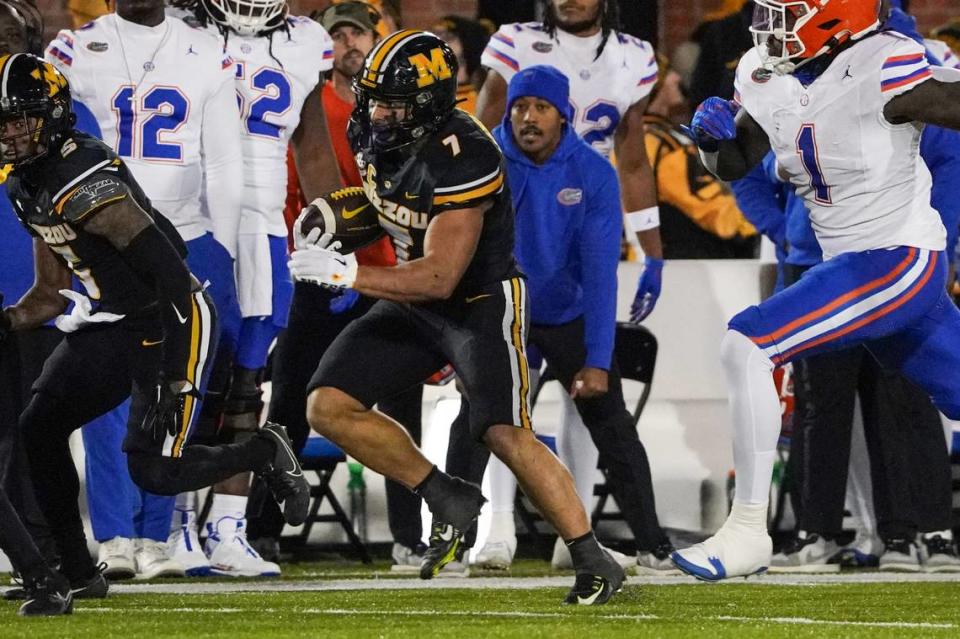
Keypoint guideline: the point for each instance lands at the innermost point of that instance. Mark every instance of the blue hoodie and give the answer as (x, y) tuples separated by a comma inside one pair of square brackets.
[(568, 229)]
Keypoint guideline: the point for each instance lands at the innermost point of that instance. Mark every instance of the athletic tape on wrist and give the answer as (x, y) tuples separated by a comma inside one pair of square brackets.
[(643, 220)]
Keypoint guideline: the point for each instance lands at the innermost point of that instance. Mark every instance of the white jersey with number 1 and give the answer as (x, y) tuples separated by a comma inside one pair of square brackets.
[(862, 177), (601, 89)]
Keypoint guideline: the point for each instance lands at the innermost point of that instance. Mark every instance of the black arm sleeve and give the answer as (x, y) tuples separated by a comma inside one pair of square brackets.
[(151, 255)]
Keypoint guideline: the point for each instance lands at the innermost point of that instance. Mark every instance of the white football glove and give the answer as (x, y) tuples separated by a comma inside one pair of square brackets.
[(81, 316), (315, 259)]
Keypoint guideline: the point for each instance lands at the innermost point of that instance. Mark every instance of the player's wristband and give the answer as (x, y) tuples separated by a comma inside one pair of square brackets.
[(643, 220)]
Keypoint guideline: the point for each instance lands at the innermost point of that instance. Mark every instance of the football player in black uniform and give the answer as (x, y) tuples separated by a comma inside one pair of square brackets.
[(435, 176), (145, 323)]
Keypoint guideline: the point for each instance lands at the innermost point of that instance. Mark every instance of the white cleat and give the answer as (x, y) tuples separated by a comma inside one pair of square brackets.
[(232, 556), (117, 554), (496, 555), (153, 560), (406, 559), (739, 549), (184, 546)]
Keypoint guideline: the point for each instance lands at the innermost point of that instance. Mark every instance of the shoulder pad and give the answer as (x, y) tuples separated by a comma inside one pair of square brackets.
[(90, 195)]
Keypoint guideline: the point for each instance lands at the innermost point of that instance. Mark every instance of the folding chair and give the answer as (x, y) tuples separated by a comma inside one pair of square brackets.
[(321, 456)]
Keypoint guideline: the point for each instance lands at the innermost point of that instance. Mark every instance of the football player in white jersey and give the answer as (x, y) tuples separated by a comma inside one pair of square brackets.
[(279, 61), (611, 77), (843, 106), (179, 135)]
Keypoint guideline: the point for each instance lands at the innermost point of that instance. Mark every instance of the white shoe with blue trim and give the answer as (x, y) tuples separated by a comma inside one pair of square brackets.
[(742, 547), (232, 556)]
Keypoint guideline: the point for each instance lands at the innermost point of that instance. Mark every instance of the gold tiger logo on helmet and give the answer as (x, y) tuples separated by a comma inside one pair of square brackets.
[(54, 79)]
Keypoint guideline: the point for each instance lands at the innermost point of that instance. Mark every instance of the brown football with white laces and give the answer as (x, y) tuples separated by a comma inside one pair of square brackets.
[(346, 214)]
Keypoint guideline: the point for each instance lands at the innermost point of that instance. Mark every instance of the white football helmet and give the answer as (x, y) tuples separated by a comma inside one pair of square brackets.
[(247, 17)]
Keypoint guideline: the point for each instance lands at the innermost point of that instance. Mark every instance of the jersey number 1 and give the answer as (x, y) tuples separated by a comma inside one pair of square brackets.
[(168, 109), (810, 157)]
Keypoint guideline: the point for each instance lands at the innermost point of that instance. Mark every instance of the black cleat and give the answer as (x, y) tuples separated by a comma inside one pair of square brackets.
[(284, 476), (47, 597), (591, 589), (94, 588), (446, 539)]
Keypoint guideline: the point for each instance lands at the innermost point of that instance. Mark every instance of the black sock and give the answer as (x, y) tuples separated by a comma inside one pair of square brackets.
[(586, 553), (423, 486)]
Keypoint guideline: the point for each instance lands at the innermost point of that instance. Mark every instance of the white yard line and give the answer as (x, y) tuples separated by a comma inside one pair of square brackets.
[(343, 612), (330, 582)]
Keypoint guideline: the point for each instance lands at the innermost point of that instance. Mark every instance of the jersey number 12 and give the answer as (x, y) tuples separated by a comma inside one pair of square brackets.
[(168, 109)]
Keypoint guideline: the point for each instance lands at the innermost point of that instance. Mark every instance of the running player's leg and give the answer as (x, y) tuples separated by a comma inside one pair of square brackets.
[(85, 376), (488, 349), (849, 299), (377, 356), (166, 464)]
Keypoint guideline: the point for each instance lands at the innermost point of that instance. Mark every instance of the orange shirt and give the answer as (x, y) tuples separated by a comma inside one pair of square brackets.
[(337, 111)]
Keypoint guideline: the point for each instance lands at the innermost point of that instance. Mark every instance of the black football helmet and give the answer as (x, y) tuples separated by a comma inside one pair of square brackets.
[(32, 88), (415, 69)]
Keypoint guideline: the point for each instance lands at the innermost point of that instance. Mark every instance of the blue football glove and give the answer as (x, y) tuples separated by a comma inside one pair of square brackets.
[(344, 302), (648, 289), (713, 121)]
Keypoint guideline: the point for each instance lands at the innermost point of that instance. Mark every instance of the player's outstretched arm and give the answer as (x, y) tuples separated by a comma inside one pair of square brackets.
[(932, 102), (638, 185), (449, 245), (43, 301), (492, 100)]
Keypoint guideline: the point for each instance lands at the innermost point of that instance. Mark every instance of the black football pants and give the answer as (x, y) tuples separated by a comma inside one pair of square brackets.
[(606, 417), (91, 372)]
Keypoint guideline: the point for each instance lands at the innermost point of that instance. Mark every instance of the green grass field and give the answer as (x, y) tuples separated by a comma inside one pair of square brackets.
[(365, 604)]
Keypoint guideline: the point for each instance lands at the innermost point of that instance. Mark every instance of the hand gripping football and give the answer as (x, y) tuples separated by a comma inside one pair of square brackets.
[(346, 214)]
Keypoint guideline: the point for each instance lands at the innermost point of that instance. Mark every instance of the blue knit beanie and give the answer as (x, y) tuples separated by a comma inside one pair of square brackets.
[(541, 81)]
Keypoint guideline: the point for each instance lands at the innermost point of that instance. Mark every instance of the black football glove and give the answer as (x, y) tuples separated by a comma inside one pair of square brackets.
[(165, 414)]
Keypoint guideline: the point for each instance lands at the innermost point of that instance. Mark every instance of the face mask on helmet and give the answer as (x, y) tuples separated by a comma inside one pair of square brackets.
[(791, 33), (21, 137), (247, 17)]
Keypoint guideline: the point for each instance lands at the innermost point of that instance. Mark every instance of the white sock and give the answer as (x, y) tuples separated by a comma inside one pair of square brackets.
[(578, 452), (229, 509), (755, 414), (752, 516), (503, 489), (184, 511)]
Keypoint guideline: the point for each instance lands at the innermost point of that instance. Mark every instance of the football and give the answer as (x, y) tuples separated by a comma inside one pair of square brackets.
[(346, 214)]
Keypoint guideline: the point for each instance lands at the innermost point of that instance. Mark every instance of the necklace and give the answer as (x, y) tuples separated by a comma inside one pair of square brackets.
[(148, 66)]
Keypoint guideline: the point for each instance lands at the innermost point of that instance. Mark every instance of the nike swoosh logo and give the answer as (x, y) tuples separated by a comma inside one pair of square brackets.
[(289, 451), (409, 196), (183, 320), (471, 300), (588, 601), (447, 533), (349, 214), (148, 342)]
